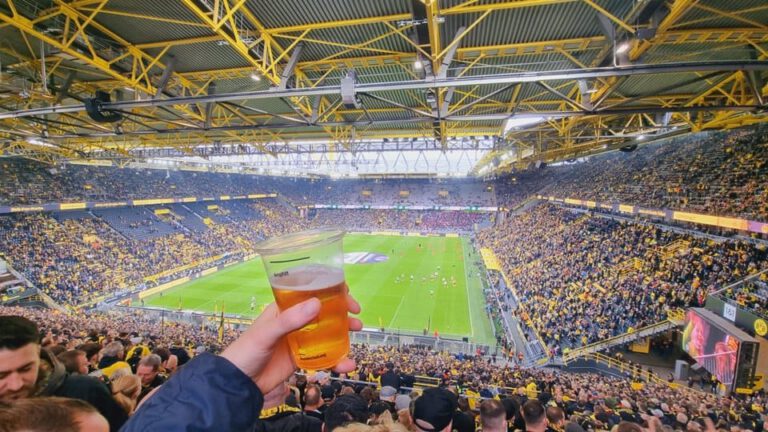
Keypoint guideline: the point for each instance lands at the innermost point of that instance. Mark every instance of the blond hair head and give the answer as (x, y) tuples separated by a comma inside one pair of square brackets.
[(126, 390)]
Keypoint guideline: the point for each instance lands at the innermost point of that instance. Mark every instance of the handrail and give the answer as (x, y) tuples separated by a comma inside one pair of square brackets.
[(647, 375), (520, 306), (674, 316), (740, 281)]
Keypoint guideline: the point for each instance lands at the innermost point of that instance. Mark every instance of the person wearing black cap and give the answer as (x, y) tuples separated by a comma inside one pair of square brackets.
[(514, 417), (433, 410), (328, 393)]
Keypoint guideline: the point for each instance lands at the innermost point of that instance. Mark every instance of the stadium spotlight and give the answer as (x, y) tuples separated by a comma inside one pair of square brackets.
[(640, 137), (255, 77), (623, 47), (417, 64)]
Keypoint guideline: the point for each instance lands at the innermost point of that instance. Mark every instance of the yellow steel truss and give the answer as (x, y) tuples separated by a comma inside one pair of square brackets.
[(134, 67)]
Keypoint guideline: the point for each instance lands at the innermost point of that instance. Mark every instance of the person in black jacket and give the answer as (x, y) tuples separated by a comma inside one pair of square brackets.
[(27, 370), (390, 377)]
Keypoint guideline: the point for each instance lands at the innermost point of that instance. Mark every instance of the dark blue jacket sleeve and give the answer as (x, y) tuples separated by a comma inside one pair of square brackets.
[(207, 394)]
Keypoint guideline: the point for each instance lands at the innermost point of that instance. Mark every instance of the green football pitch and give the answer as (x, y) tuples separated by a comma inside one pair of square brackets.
[(378, 271)]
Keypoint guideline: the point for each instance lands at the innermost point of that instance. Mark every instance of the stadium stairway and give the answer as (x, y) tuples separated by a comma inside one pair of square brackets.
[(675, 318), (17, 290)]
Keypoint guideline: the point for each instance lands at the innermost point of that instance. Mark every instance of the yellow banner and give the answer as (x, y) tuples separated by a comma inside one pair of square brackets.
[(209, 271), (163, 287), (153, 201), (725, 222), (182, 268), (162, 211), (641, 346), (490, 260), (73, 206)]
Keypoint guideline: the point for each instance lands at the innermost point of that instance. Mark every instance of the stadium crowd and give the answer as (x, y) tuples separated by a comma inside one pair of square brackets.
[(752, 295), (82, 257), (719, 173), (28, 182), (129, 359), (584, 278), (400, 220)]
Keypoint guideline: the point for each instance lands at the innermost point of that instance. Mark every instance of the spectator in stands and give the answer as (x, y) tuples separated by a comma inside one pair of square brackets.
[(345, 409), (284, 416), (149, 372), (434, 409), (112, 362), (555, 418), (390, 377), (91, 350), (534, 416), (180, 352), (387, 395), (27, 370), (313, 402), (493, 416), (126, 390), (51, 414), (74, 362)]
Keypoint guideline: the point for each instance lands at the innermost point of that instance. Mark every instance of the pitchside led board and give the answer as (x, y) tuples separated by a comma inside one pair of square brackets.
[(721, 348)]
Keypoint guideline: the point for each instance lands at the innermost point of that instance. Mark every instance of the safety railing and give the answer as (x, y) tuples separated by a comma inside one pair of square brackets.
[(675, 318), (636, 373)]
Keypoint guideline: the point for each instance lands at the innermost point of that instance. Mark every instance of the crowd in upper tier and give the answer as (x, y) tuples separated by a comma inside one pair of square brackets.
[(28, 182), (719, 173), (583, 278), (133, 356)]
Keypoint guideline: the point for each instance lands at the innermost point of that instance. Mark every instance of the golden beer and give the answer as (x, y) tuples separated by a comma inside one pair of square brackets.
[(322, 343)]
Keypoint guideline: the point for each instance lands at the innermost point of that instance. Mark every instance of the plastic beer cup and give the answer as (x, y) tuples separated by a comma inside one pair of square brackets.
[(301, 266)]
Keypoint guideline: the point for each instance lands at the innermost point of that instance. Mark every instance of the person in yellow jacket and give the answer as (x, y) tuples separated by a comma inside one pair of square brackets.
[(112, 360), (531, 391)]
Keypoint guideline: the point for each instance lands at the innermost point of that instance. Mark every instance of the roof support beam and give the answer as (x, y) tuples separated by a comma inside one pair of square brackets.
[(288, 71), (610, 16), (170, 68), (445, 64), (514, 78)]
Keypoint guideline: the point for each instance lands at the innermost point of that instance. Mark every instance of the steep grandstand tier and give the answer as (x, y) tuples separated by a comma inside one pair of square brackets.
[(714, 173), (29, 182), (583, 277)]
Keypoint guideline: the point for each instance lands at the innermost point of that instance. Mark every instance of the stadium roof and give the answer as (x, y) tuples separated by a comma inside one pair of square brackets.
[(512, 81)]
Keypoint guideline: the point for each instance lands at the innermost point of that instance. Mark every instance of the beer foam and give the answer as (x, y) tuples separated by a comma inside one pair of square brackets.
[(310, 277)]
